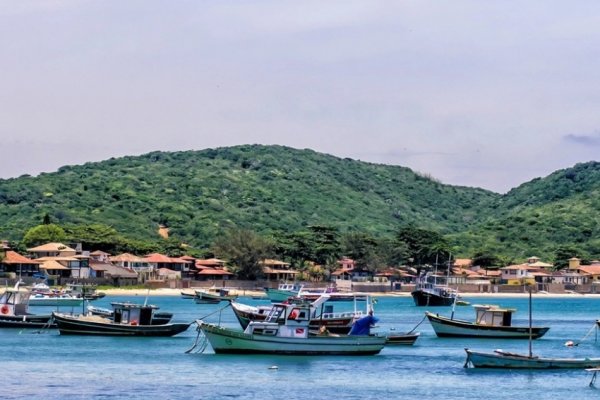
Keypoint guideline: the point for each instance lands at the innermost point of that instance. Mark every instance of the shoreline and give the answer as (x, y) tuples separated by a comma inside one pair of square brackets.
[(255, 293)]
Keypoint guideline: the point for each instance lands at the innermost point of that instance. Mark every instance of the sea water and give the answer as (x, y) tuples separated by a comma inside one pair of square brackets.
[(37, 365)]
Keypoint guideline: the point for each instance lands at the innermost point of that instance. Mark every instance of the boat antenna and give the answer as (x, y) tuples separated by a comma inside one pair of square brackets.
[(146, 300)]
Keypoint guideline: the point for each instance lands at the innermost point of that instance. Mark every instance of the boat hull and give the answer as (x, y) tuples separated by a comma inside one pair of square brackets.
[(423, 298), (225, 340), (27, 321), (403, 339), (278, 295), (446, 327), (514, 361), (70, 325)]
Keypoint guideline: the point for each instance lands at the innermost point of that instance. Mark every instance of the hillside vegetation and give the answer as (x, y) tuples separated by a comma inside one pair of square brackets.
[(274, 191)]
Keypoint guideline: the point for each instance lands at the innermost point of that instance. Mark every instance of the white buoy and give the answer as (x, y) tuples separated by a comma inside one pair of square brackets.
[(569, 343), (273, 367)]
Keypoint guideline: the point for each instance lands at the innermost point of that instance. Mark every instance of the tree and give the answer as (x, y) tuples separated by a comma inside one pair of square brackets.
[(563, 253), (362, 248), (424, 246), (44, 234), (244, 249)]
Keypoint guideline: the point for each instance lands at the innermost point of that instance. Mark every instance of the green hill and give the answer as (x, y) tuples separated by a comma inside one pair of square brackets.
[(274, 190)]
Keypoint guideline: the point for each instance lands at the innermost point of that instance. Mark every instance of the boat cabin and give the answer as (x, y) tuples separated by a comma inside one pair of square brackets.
[(14, 301), (132, 314), (284, 320), (493, 315)]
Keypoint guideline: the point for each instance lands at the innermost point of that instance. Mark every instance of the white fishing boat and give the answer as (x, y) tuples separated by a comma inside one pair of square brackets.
[(286, 330), (322, 312), (14, 304)]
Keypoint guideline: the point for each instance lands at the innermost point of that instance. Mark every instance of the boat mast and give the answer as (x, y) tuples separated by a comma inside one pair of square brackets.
[(530, 326)]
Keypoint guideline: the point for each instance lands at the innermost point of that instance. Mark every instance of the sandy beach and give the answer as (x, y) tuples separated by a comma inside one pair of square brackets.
[(177, 292)]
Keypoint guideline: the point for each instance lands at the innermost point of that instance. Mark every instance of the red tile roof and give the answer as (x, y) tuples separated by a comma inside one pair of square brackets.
[(12, 257)]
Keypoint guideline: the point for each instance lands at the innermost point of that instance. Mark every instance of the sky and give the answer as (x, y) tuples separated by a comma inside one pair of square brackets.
[(486, 94)]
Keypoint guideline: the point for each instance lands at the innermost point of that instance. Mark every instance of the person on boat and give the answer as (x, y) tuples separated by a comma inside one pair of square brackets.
[(363, 325)]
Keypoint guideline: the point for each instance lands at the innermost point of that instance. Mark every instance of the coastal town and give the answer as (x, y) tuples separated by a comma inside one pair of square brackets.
[(58, 264)]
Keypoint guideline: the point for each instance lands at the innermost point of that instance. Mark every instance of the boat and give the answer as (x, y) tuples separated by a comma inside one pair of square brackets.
[(128, 320), (405, 339), (508, 360), (54, 300), (188, 294), (213, 295), (491, 321), (14, 305), (42, 295), (286, 330), (432, 290), (321, 314), (158, 318), (84, 291), (283, 292)]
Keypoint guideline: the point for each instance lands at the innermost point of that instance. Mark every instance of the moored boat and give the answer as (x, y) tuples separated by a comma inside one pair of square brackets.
[(213, 295), (431, 290), (321, 314), (507, 360), (158, 318), (286, 330), (491, 321), (14, 304), (283, 292), (406, 339), (128, 320)]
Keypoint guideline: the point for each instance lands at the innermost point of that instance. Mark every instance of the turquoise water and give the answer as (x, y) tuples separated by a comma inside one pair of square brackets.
[(51, 366)]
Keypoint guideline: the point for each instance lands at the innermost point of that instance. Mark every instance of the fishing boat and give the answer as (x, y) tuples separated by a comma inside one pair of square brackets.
[(283, 292), (188, 294), (14, 305), (432, 290), (508, 360), (128, 320), (491, 321), (321, 314), (158, 318), (213, 295), (84, 291), (286, 330)]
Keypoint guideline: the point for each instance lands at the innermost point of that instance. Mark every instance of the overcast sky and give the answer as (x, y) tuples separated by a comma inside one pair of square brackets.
[(487, 94)]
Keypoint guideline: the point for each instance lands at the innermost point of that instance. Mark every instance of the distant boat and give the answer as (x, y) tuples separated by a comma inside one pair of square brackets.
[(14, 306), (286, 331), (188, 294), (213, 295), (42, 295), (431, 290), (84, 291), (507, 360), (491, 321), (283, 292), (128, 320)]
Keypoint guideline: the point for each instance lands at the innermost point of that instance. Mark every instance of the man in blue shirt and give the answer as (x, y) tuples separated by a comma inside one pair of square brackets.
[(363, 325)]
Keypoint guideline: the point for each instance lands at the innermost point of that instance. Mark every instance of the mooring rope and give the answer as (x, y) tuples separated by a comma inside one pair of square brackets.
[(586, 335), (416, 326), (203, 342)]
